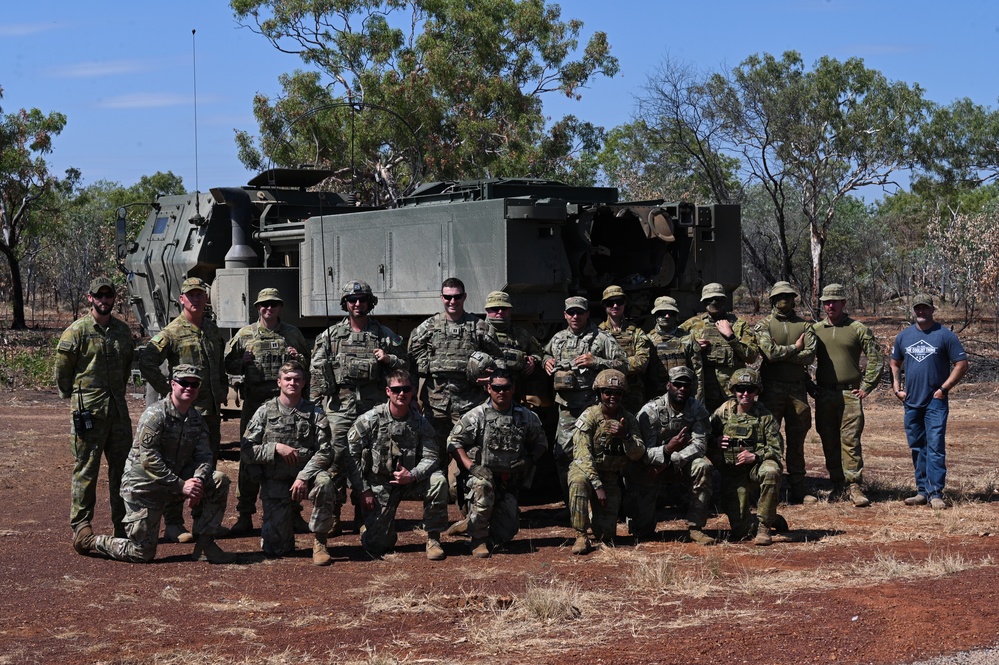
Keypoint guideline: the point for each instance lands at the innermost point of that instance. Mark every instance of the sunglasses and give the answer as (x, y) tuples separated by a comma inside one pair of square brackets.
[(575, 312), (104, 295), (270, 304), (745, 389), (493, 310), (401, 390), (615, 302), (188, 383), (355, 299), (612, 392), (451, 298), (501, 387)]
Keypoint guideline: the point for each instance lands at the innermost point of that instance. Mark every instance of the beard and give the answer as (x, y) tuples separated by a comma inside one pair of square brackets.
[(103, 307)]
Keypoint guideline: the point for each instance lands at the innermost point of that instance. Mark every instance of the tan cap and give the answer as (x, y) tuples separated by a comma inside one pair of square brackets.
[(193, 284), (682, 374), (923, 299), (99, 283), (783, 288), (268, 295), (713, 290), (577, 302), (613, 291), (833, 292), (498, 299), (186, 371), (665, 303)]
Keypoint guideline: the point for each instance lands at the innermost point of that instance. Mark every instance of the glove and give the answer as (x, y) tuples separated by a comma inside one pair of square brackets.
[(481, 472)]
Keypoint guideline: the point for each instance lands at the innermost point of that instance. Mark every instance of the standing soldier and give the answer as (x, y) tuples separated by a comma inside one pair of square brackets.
[(727, 343), (190, 339), (404, 464), (349, 364), (573, 357), (284, 434), (497, 444), (632, 340), (674, 428), (92, 367), (672, 347), (606, 438), (522, 354), (746, 447), (842, 387), (255, 353), (787, 343)]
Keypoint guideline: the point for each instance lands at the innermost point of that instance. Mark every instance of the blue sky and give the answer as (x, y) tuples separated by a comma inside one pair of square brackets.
[(122, 71)]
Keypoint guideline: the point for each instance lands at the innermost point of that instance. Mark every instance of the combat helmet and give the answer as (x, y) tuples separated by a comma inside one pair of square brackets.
[(357, 288), (783, 288), (610, 378), (745, 377)]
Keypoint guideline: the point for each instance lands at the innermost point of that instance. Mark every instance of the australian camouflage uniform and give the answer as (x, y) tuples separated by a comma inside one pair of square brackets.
[(92, 367), (507, 445), (636, 346), (306, 429), (673, 348), (169, 448), (755, 431), (598, 462), (378, 444), (723, 356)]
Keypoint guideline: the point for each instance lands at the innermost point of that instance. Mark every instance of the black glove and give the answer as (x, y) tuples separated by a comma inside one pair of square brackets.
[(481, 472)]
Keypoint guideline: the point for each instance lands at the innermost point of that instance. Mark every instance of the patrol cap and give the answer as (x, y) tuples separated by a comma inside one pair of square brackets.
[(923, 299), (268, 295), (713, 290), (833, 292), (783, 288), (194, 284), (577, 302), (664, 303), (682, 374), (186, 371), (99, 283), (498, 299), (612, 291)]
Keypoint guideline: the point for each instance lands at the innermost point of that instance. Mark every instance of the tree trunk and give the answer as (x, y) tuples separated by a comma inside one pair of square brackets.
[(818, 243), (16, 290)]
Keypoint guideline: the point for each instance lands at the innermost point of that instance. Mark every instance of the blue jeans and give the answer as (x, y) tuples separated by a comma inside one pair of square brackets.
[(925, 429)]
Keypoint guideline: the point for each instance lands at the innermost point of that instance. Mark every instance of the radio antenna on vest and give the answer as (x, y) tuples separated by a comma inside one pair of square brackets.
[(198, 219)]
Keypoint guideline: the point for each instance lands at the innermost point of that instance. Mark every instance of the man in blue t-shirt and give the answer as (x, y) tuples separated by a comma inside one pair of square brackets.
[(933, 361)]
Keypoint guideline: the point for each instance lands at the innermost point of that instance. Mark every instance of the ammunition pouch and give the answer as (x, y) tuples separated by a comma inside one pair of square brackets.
[(565, 380)]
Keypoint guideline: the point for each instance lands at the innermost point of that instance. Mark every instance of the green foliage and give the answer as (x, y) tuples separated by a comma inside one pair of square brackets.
[(27, 360)]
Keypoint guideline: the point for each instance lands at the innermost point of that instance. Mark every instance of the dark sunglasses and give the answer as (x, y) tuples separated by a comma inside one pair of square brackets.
[(270, 304), (575, 312), (501, 387), (404, 390), (496, 309), (459, 296), (615, 302), (612, 392), (745, 389), (188, 383), (353, 299), (104, 295)]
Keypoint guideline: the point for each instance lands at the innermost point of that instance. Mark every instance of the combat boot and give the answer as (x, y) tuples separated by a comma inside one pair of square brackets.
[(177, 533), (699, 537), (480, 548), (84, 539), (434, 550), (458, 529), (763, 537), (243, 525), (798, 495), (582, 545), (207, 550), (857, 496), (320, 552)]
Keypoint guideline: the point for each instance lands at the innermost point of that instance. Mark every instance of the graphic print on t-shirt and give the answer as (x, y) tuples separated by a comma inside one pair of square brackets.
[(920, 351)]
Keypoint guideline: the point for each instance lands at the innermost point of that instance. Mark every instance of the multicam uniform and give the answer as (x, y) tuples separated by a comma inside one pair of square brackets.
[(502, 442), (378, 442), (92, 367), (659, 422), (673, 348), (723, 356), (756, 431), (169, 448), (599, 458), (785, 380), (839, 414), (303, 427), (637, 348), (516, 345)]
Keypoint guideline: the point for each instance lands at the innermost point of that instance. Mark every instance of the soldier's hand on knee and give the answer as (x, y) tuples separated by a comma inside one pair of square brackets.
[(601, 497), (288, 454), (299, 491), (368, 500), (401, 476), (193, 490)]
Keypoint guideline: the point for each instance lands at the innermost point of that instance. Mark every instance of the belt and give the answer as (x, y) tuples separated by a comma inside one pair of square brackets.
[(840, 386)]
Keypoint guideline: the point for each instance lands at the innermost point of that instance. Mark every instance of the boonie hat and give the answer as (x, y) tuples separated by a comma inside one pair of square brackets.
[(923, 299), (833, 292), (577, 302), (612, 291), (664, 303), (194, 284), (99, 283), (185, 371), (713, 290), (498, 299), (783, 288), (682, 374), (268, 295)]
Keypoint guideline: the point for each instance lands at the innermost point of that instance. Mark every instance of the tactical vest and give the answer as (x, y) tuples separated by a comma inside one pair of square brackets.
[(502, 439), (625, 339), (450, 346), (668, 422), (669, 350), (270, 351), (354, 362), (295, 429), (396, 442), (608, 450), (513, 358), (720, 353), (567, 376), (744, 430)]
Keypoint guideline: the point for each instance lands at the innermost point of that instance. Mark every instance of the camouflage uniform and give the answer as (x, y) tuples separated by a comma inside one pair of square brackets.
[(574, 385), (759, 433), (659, 422), (169, 448), (673, 348), (497, 441), (723, 356), (377, 443), (637, 348), (839, 414), (785, 378), (305, 428), (598, 461), (516, 345), (92, 368)]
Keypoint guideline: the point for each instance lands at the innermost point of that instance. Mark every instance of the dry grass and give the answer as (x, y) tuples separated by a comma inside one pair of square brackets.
[(674, 574), (886, 566)]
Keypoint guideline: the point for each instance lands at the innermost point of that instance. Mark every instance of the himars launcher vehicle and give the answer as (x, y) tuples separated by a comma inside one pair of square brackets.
[(540, 241)]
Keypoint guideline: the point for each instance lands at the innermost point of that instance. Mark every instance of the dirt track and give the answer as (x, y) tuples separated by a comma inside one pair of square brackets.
[(888, 584)]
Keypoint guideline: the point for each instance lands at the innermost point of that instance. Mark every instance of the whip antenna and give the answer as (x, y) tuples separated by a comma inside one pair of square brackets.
[(194, 65)]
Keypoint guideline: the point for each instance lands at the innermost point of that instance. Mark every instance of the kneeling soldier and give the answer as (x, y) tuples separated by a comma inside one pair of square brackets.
[(497, 444), (747, 449)]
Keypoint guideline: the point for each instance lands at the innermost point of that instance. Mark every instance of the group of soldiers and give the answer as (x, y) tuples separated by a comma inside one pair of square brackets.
[(635, 410)]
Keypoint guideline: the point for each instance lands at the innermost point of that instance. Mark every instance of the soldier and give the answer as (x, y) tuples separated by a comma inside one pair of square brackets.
[(170, 462), (522, 353), (255, 353), (632, 340), (747, 448), (497, 444), (349, 363), (674, 428), (606, 437), (394, 456), (842, 388), (283, 435), (672, 348), (727, 343), (573, 357), (190, 339), (787, 344), (92, 367)]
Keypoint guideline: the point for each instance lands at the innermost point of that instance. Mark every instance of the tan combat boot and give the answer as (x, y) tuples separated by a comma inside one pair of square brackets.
[(84, 539), (582, 545), (459, 528), (480, 548), (697, 536), (177, 533), (320, 552), (763, 537), (434, 550), (206, 549), (857, 496)]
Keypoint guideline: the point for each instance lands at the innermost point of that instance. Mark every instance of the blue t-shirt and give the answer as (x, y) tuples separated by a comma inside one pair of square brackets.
[(928, 356)]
